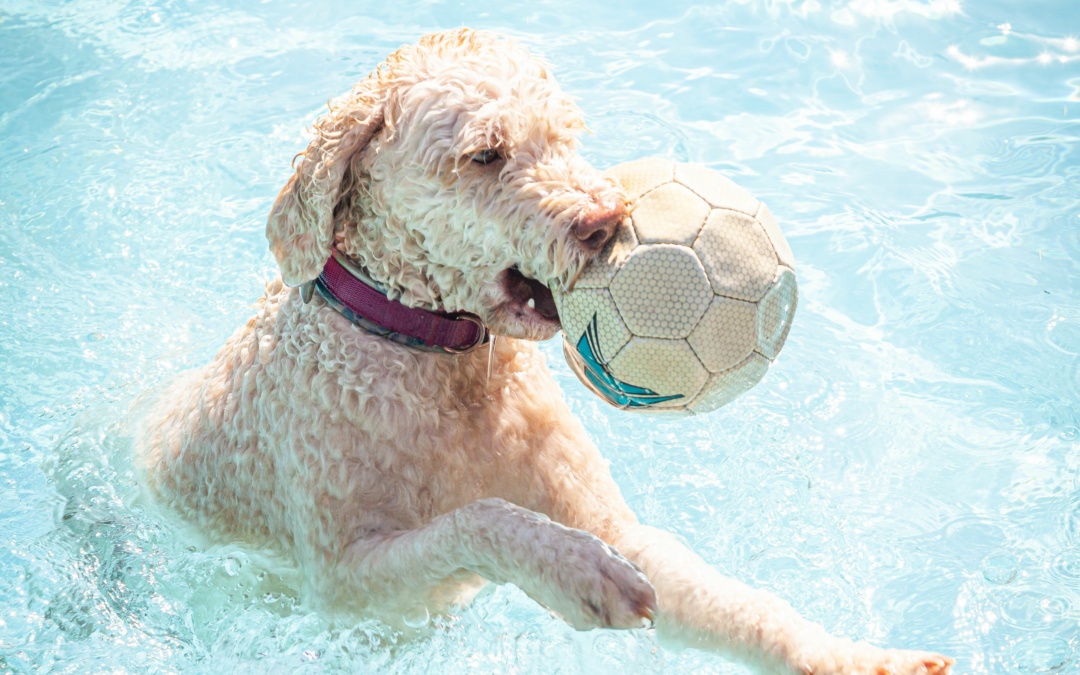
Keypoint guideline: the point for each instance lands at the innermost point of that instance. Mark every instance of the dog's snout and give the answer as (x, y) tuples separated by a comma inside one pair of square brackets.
[(596, 227)]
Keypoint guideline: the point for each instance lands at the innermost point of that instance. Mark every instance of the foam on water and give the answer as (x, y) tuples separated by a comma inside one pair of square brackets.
[(908, 472)]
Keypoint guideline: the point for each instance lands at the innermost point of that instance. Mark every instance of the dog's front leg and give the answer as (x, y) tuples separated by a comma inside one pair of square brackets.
[(702, 608), (569, 571)]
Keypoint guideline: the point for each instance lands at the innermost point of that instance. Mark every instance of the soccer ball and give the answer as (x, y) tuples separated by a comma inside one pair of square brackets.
[(689, 303)]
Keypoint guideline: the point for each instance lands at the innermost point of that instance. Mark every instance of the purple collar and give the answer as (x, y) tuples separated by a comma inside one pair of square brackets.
[(347, 289)]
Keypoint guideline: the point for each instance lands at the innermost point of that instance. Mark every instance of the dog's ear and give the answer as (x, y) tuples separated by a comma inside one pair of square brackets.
[(300, 228)]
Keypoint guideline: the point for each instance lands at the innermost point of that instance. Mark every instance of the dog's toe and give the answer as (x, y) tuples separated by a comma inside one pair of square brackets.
[(937, 665)]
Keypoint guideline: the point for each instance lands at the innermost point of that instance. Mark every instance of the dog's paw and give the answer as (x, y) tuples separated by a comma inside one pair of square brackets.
[(899, 662), (591, 585), (868, 660)]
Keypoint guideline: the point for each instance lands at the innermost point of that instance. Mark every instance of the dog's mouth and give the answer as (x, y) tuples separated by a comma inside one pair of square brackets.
[(528, 297)]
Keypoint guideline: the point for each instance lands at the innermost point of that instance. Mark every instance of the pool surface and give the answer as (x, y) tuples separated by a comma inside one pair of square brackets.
[(908, 472)]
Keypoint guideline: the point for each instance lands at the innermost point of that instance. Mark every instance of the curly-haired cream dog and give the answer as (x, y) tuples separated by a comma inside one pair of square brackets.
[(395, 472)]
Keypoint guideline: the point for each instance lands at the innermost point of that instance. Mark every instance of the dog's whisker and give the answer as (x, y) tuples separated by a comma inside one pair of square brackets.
[(491, 357)]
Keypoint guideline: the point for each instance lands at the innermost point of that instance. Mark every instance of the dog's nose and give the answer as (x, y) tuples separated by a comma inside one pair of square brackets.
[(596, 227)]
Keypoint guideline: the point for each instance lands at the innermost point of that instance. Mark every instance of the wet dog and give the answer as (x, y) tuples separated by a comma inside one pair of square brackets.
[(394, 471)]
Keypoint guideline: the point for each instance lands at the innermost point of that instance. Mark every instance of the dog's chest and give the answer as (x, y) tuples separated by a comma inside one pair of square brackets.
[(396, 438)]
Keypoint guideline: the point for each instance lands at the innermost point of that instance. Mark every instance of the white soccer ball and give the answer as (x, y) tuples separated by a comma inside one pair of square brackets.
[(689, 303)]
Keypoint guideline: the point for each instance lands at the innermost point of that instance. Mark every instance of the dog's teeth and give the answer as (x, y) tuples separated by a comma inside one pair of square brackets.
[(531, 303)]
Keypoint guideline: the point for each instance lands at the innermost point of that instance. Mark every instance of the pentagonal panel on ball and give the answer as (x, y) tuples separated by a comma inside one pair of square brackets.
[(661, 291), (670, 214), (726, 334), (663, 373), (601, 270), (738, 255), (642, 175), (716, 189), (724, 387), (590, 314), (777, 309)]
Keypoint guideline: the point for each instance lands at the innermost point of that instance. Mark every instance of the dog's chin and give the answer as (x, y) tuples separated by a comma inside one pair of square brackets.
[(524, 308)]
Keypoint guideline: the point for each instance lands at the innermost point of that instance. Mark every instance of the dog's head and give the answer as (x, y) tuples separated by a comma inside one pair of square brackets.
[(451, 174)]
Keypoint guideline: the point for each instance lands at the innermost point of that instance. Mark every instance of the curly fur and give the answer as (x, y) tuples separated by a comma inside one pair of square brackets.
[(395, 477)]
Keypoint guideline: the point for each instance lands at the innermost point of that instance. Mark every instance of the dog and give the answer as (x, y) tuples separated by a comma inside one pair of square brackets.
[(397, 470)]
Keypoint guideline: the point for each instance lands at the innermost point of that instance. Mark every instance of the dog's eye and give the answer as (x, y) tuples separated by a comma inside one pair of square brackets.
[(486, 156)]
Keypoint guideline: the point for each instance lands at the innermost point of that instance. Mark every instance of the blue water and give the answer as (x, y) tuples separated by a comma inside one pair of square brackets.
[(908, 472)]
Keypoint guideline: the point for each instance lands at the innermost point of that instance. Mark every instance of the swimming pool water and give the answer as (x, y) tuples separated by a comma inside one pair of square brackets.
[(908, 472)]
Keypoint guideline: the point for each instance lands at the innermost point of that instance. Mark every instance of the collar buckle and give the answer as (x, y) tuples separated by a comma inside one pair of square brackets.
[(482, 335)]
